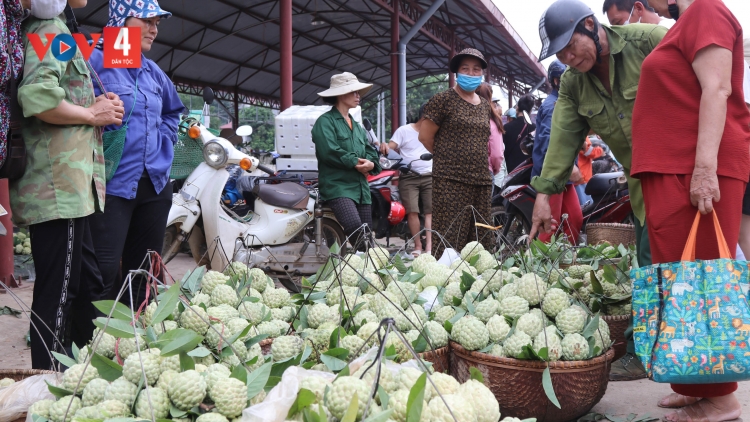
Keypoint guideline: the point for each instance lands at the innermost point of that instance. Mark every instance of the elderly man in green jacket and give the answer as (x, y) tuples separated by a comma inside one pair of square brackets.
[(597, 93)]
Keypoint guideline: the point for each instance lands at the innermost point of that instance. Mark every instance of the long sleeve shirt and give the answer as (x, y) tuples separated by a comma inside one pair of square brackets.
[(543, 129), (495, 149), (338, 148), (584, 104), (152, 127)]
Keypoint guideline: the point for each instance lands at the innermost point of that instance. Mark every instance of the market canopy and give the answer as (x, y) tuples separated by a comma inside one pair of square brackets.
[(233, 46)]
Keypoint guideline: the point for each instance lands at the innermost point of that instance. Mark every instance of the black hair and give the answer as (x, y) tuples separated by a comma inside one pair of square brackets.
[(525, 103), (624, 5), (330, 100)]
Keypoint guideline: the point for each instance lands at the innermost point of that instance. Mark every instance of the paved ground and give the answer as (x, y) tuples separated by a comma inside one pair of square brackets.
[(621, 399)]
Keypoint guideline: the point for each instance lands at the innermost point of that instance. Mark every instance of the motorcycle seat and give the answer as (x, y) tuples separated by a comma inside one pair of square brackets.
[(602, 183), (285, 195)]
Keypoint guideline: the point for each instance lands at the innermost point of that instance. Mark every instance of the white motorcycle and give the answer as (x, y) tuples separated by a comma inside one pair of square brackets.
[(288, 232)]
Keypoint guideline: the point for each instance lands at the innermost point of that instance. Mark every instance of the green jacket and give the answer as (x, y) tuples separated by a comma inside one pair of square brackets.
[(338, 149), (584, 104), (65, 163)]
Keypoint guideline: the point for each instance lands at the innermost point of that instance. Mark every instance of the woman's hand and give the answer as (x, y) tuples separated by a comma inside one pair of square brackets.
[(704, 189), (364, 166)]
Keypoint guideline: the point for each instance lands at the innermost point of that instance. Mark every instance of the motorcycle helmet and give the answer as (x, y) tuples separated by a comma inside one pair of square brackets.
[(555, 71), (558, 24), (397, 214)]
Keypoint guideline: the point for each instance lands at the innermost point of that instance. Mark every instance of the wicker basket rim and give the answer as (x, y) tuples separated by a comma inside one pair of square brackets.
[(534, 365), (4, 373), (439, 351), (615, 317), (610, 226)]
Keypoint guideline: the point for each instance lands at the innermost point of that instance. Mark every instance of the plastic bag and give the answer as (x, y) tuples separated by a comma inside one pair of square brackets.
[(17, 397), (449, 255)]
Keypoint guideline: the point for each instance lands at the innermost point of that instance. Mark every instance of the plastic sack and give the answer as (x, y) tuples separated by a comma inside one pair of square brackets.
[(430, 295), (17, 397), (449, 255)]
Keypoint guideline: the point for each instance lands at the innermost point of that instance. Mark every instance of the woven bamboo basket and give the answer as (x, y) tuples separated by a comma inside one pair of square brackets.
[(439, 358), (613, 233), (517, 384), (20, 375), (617, 326), (265, 346)]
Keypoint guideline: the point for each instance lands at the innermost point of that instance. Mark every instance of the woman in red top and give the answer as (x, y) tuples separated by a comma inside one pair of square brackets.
[(690, 150)]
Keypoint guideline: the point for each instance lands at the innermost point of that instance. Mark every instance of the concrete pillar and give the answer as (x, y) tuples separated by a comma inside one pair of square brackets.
[(286, 53), (395, 26)]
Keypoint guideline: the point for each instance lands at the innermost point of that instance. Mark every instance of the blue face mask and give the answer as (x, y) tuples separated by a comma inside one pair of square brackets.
[(469, 83)]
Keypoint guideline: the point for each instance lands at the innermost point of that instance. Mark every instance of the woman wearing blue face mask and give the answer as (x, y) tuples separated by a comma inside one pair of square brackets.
[(456, 130)]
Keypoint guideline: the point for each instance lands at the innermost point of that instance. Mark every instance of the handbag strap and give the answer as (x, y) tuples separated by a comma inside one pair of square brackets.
[(101, 88), (688, 254)]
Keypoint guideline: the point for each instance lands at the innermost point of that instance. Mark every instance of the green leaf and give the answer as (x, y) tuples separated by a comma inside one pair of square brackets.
[(117, 328), (186, 362), (255, 340), (258, 379), (169, 301), (473, 260), (470, 304), (399, 264), (191, 281), (416, 400), (334, 364), (448, 326), (235, 337), (460, 312), (338, 352), (548, 389), (476, 374), (384, 397), (302, 319), (108, 369), (306, 353), (380, 417), (351, 412), (37, 418), (595, 284), (178, 341), (543, 353), (272, 382), (150, 335), (344, 373), (239, 372), (57, 391), (466, 281), (609, 274), (65, 360), (334, 343), (176, 413), (75, 351), (304, 399), (592, 327), (456, 301), (420, 344), (120, 311), (199, 352)]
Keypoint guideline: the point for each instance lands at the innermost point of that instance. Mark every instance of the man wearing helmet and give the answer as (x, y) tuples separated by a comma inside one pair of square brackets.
[(596, 93), (624, 12)]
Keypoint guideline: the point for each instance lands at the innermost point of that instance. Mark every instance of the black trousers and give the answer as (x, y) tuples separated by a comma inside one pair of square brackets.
[(352, 216), (126, 231), (67, 282)]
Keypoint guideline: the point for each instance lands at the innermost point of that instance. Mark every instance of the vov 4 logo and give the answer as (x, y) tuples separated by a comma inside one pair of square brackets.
[(122, 46)]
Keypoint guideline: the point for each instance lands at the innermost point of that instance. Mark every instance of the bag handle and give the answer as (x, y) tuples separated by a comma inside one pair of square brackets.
[(688, 254)]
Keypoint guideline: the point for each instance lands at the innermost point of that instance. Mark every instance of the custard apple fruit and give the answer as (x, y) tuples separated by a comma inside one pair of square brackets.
[(486, 309), (258, 279), (404, 292), (63, 409), (471, 249), (230, 396), (285, 313), (575, 347), (254, 312), (555, 275), (514, 344), (41, 408), (458, 406), (276, 298), (318, 314), (317, 385), (201, 298), (550, 339), (286, 347), (152, 402), (555, 301), (471, 333), (216, 334), (445, 383), (187, 389), (434, 274), (508, 290), (167, 326), (113, 409), (87, 412), (377, 256), (452, 290), (123, 390), (578, 271), (212, 279), (222, 313), (93, 394), (236, 268), (493, 280), (214, 373), (366, 332), (407, 377), (621, 309), (485, 262), (224, 295), (602, 339), (498, 351), (341, 393), (362, 317), (374, 283), (388, 380), (212, 417), (444, 314), (238, 325), (398, 402), (105, 345), (437, 335), (458, 268), (353, 344), (481, 399), (530, 324), (498, 328), (194, 318), (570, 320), (532, 288), (165, 378), (150, 363), (75, 374), (422, 262), (127, 346), (513, 306)]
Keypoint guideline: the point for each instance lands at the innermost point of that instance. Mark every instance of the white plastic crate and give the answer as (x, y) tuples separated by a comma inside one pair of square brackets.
[(297, 164), (294, 129)]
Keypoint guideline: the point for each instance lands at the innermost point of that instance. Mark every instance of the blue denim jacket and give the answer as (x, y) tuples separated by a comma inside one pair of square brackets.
[(152, 128), (543, 129)]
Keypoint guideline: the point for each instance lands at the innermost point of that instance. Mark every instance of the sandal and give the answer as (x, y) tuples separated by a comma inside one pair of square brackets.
[(416, 252), (674, 401)]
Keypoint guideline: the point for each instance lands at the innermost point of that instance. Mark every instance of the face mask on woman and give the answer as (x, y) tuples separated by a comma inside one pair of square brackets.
[(469, 83), (47, 9)]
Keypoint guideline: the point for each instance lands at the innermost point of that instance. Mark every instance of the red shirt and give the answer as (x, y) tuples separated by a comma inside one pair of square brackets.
[(665, 116)]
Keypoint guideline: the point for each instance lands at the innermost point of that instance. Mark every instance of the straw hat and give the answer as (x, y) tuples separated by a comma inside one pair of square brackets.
[(343, 84), (456, 60)]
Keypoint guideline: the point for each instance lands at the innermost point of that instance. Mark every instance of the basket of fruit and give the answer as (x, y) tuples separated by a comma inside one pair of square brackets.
[(614, 233), (11, 376), (439, 358)]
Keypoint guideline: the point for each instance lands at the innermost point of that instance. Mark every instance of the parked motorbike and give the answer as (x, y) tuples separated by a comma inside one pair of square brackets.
[(288, 232)]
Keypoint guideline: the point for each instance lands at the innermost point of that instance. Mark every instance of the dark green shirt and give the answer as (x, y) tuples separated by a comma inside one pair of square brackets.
[(338, 149), (584, 104)]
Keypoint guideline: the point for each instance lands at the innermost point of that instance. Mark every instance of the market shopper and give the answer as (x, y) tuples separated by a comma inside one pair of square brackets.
[(415, 187), (697, 159), (62, 187), (456, 130), (345, 158), (495, 146), (586, 156), (515, 132), (625, 12), (596, 93), (139, 192), (566, 202)]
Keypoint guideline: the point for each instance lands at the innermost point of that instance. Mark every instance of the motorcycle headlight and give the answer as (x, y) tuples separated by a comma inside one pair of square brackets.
[(215, 155), (386, 163)]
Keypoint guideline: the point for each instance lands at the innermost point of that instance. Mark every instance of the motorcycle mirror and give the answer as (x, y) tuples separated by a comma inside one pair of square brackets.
[(366, 123), (245, 130), (426, 156), (208, 95), (526, 117)]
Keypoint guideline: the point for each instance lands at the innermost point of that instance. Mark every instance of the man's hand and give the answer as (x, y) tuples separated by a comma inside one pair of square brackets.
[(541, 218), (364, 166), (107, 110), (384, 148), (576, 177), (704, 189)]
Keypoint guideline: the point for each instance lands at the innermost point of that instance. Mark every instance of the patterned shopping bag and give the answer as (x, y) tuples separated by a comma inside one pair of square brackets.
[(691, 319)]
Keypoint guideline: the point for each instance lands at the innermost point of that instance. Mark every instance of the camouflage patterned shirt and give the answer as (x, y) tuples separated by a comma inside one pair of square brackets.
[(65, 167)]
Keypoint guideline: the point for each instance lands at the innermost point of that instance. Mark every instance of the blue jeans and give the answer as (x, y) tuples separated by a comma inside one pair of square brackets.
[(583, 199)]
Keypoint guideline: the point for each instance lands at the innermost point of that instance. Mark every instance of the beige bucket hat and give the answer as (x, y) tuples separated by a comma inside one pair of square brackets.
[(344, 83)]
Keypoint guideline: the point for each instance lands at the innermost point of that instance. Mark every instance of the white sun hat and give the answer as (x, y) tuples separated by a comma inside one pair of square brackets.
[(343, 84)]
